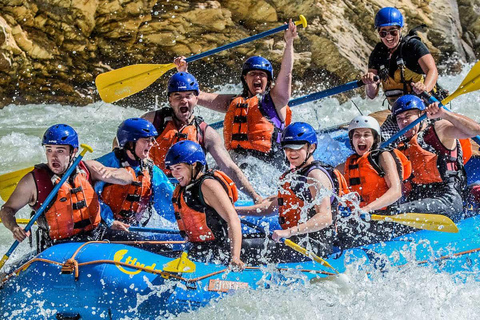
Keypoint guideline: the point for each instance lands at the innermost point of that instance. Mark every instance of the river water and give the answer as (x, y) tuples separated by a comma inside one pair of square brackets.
[(409, 293)]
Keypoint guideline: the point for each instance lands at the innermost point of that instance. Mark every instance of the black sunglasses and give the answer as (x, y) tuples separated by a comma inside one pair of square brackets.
[(393, 33)]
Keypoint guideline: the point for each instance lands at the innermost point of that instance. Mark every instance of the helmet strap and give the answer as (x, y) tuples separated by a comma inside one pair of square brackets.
[(131, 147)]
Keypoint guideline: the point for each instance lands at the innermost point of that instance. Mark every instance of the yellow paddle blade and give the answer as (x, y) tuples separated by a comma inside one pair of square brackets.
[(309, 254), (182, 264), (120, 83), (9, 181), (426, 221), (21, 221), (469, 84)]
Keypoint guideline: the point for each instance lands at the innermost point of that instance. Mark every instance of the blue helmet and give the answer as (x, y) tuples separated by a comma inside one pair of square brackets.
[(60, 134), (407, 102), (299, 133), (185, 151), (388, 16), (183, 81), (258, 63), (133, 129)]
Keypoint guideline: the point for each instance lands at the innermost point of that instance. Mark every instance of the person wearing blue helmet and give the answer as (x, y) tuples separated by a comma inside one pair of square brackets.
[(126, 205), (255, 118), (307, 200), (178, 122), (403, 64), (74, 214), (435, 151), (203, 202)]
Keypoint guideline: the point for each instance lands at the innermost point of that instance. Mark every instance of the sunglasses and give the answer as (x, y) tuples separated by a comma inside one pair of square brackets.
[(384, 33)]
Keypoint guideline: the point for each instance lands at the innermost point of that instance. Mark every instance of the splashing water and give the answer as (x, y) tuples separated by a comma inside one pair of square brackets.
[(406, 293)]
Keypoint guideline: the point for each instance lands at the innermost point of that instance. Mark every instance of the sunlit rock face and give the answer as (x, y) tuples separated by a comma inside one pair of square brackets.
[(52, 50)]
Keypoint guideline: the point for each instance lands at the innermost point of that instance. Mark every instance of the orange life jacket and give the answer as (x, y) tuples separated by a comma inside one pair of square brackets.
[(295, 193), (75, 208), (466, 149), (197, 221), (128, 203), (169, 134), (431, 161), (365, 176), (247, 127)]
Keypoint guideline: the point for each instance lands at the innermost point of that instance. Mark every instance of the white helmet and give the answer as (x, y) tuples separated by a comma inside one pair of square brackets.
[(367, 122)]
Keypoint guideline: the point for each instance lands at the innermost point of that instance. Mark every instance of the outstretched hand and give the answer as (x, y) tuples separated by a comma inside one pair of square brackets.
[(279, 234)]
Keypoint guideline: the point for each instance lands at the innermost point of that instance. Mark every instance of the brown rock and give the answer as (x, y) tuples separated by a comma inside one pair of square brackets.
[(54, 49)]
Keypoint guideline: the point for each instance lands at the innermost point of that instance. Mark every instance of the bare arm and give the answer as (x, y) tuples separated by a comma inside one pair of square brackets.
[(25, 193), (282, 91), (216, 197), (214, 145), (394, 192), (100, 172), (453, 126), (214, 101), (317, 180), (265, 208), (427, 63)]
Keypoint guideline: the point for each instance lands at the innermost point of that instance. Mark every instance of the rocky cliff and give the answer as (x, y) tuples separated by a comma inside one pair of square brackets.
[(52, 50)]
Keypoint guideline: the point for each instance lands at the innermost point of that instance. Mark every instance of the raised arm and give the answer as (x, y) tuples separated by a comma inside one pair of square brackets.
[(453, 126), (24, 194), (216, 197), (214, 146), (282, 90)]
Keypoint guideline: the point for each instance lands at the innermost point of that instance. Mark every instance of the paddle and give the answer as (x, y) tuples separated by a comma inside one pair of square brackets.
[(469, 84), (118, 84), (9, 181), (20, 221), (426, 221), (47, 201), (432, 99), (153, 230), (314, 96), (293, 245)]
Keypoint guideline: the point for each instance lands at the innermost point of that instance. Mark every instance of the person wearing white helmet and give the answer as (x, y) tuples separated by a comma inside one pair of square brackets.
[(374, 174)]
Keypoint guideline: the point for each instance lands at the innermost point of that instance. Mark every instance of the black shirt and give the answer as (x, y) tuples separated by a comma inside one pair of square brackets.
[(413, 50)]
